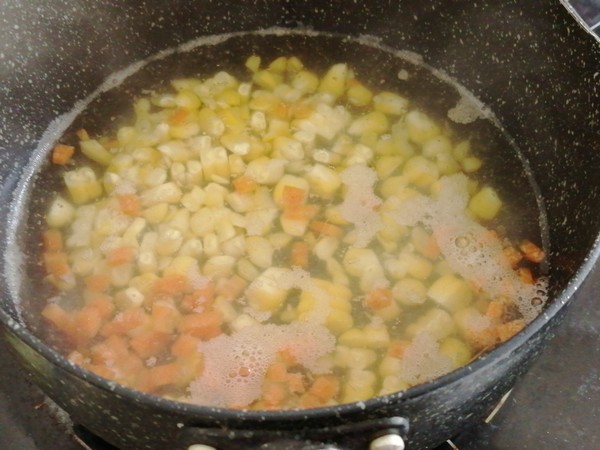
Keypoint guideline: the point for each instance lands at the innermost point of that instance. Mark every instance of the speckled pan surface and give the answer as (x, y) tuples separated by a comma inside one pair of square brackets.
[(530, 63)]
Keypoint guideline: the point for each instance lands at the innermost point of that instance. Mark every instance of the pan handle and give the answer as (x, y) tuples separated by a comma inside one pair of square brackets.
[(377, 434)]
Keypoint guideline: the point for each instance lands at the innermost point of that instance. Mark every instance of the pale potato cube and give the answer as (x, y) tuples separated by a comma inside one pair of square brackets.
[(451, 293)]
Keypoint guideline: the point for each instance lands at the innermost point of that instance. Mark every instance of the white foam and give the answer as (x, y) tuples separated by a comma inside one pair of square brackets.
[(360, 202), (235, 366), (470, 249), (422, 360)]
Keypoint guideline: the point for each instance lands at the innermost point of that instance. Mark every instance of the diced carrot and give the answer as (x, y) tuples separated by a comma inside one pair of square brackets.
[(293, 196), (244, 184), (103, 304), (150, 343), (295, 382), (495, 309), (179, 116), (86, 324), (329, 229), (125, 322), (185, 345), (379, 298), (325, 387), (163, 375), (287, 356), (532, 252), (397, 348), (130, 204), (525, 275), (119, 256), (97, 283), (164, 316), (53, 240), (170, 285), (509, 329), (309, 400), (56, 263), (281, 110), (101, 370), (62, 154), (514, 256), (299, 254), (82, 134), (274, 393), (277, 372), (206, 325), (112, 350), (300, 212), (199, 299)]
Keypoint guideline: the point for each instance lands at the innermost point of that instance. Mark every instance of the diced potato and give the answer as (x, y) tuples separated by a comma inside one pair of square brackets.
[(485, 204), (96, 151), (390, 103), (60, 213), (82, 185), (457, 350), (420, 127), (451, 293), (323, 180), (360, 385), (259, 251), (265, 292), (354, 358), (437, 322)]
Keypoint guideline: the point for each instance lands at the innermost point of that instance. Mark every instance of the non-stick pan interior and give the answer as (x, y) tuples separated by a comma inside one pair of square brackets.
[(380, 67)]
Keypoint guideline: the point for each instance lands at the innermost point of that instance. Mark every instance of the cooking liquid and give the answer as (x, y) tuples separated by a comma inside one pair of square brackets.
[(278, 348)]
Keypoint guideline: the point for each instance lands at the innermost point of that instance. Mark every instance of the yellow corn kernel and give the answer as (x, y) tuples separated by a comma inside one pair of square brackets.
[(388, 313), (253, 63), (219, 266), (214, 195), (354, 358), (259, 222), (156, 213), (436, 146), (471, 164), (334, 81), (168, 242), (305, 81), (191, 247), (293, 226), (420, 127), (278, 65), (288, 148), (374, 122), (417, 266), (461, 150), (485, 204), (82, 185), (164, 193), (266, 170), (176, 151), (215, 164), (184, 131), (129, 298), (421, 171), (389, 366), (194, 199), (266, 79), (354, 337), (324, 181), (392, 384), (265, 292), (210, 122), (338, 321), (336, 272), (147, 262), (360, 385), (436, 322), (210, 243), (390, 103), (259, 251), (359, 95), (294, 64), (229, 98), (181, 265), (247, 270), (457, 350), (447, 164), (409, 292), (376, 336), (83, 261), (386, 165), (120, 276), (186, 98), (451, 293), (205, 221), (96, 151), (60, 213)]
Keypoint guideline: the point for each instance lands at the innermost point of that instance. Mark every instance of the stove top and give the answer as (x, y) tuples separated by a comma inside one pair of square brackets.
[(555, 405)]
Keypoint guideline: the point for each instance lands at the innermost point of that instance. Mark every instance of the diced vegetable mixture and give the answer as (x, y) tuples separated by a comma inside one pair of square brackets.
[(289, 241)]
